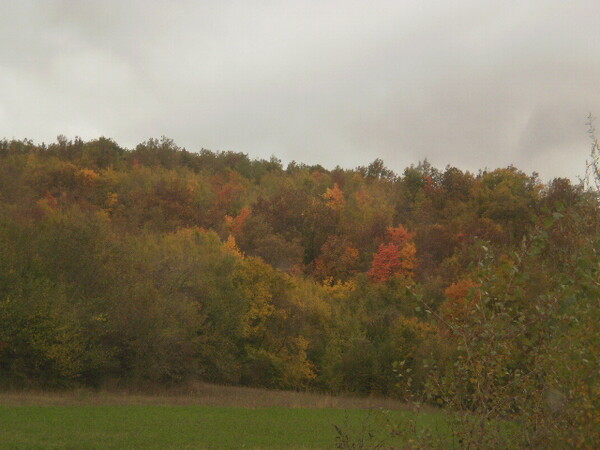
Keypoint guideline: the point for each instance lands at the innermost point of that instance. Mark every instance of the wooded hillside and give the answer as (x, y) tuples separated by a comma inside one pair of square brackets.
[(158, 264)]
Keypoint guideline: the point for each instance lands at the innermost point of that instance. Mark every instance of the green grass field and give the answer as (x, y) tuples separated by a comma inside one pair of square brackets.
[(154, 426)]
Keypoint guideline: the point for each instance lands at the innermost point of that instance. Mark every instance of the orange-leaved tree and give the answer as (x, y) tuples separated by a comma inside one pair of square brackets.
[(338, 259), (462, 296), (396, 256), (335, 197)]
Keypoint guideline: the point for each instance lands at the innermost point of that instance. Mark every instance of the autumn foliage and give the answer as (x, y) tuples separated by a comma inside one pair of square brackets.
[(335, 197), (397, 256), (338, 259), (462, 300), (474, 292)]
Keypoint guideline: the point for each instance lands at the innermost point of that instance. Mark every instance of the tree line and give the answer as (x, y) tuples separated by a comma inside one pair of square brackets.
[(470, 291)]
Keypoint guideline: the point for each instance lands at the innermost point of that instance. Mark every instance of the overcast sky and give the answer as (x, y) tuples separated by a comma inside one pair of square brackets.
[(473, 84)]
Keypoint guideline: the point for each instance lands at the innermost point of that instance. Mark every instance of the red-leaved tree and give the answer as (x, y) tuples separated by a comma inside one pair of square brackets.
[(397, 256)]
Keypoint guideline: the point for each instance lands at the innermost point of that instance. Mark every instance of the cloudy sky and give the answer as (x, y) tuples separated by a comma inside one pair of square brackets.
[(473, 84)]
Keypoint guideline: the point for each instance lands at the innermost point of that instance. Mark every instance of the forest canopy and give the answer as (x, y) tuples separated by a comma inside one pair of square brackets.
[(161, 265)]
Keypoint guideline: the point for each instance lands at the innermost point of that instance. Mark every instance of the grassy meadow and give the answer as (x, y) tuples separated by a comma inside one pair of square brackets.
[(207, 417)]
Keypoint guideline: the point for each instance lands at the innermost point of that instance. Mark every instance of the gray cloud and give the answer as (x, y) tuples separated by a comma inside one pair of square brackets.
[(469, 83)]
